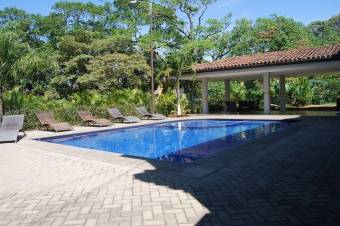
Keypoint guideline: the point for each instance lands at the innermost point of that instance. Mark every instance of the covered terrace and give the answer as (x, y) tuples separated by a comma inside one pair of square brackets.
[(267, 66)]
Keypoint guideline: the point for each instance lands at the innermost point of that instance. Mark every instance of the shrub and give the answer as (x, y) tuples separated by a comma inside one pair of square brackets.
[(216, 96), (126, 100), (299, 92), (13, 99), (166, 103)]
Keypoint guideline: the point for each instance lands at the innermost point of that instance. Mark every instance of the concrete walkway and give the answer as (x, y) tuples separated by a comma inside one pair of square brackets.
[(288, 178)]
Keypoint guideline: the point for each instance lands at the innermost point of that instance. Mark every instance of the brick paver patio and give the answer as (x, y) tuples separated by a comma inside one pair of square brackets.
[(289, 178)]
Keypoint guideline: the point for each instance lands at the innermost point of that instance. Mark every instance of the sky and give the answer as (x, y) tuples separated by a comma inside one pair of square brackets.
[(304, 11)]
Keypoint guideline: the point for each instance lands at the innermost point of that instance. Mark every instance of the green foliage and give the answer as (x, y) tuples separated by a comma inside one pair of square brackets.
[(280, 33), (166, 103), (11, 50), (96, 55), (13, 99), (326, 32), (299, 91), (11, 15), (19, 22), (115, 71), (87, 98), (84, 15), (51, 28), (216, 96), (119, 42), (325, 89), (65, 83), (185, 106), (249, 90), (238, 91), (66, 109), (36, 69), (253, 90), (242, 38)]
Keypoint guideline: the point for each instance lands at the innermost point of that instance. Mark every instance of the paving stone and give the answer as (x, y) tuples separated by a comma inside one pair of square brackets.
[(288, 179), (91, 222)]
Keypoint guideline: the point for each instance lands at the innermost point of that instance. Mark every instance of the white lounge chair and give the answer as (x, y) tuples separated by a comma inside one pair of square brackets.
[(11, 126)]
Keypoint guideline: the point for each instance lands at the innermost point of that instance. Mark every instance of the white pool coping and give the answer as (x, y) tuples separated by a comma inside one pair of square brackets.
[(38, 134)]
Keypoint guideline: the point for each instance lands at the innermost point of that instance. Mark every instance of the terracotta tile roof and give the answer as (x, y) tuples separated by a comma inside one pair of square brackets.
[(302, 55)]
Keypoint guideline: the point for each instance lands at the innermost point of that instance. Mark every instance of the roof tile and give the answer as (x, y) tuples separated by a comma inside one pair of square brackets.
[(302, 55)]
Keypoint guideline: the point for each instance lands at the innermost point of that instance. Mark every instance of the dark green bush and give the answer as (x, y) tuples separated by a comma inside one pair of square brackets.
[(299, 92), (66, 109), (216, 96)]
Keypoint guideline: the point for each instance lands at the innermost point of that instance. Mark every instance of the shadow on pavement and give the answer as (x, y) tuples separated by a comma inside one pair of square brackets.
[(294, 180)]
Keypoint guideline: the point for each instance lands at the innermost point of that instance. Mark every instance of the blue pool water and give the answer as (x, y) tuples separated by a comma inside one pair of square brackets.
[(181, 141)]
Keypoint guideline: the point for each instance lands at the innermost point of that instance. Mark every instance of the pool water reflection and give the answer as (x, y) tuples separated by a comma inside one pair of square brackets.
[(180, 141)]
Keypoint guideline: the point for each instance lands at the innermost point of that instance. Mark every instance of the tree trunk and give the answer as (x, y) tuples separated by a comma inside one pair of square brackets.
[(1, 103), (178, 92)]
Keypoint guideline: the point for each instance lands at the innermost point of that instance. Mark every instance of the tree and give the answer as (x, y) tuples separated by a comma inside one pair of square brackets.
[(326, 32), (180, 61), (51, 28), (280, 33), (195, 39), (193, 26), (82, 46), (242, 38), (115, 71), (35, 70), (9, 16), (22, 23), (299, 91), (65, 82), (84, 15), (11, 50)]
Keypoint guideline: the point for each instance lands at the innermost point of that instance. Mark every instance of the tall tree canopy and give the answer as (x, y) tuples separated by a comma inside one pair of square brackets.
[(82, 46)]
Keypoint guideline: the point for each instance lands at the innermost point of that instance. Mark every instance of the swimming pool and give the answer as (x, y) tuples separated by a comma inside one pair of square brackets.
[(179, 141)]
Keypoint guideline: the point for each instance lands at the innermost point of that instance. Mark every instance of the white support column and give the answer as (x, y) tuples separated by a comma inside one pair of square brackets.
[(205, 106), (283, 94), (266, 92), (226, 90)]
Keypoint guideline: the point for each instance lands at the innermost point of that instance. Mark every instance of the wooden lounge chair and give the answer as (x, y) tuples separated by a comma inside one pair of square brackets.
[(117, 115), (11, 126), (47, 120), (91, 120), (145, 114)]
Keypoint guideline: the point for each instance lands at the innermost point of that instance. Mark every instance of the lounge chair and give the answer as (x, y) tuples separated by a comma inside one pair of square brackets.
[(47, 120), (89, 119), (145, 114), (11, 126), (243, 106), (253, 105), (230, 107), (117, 115)]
